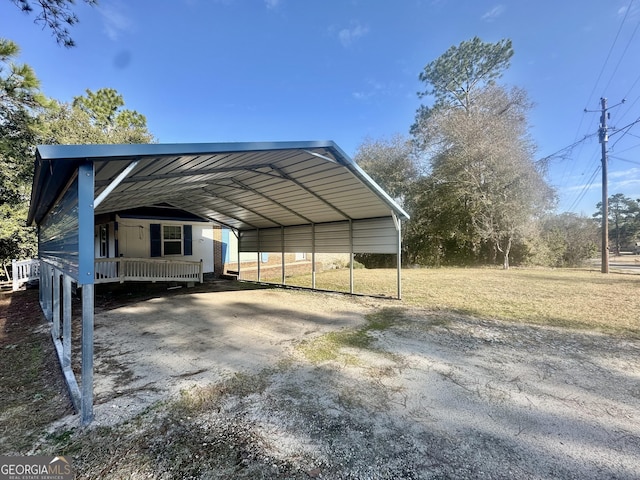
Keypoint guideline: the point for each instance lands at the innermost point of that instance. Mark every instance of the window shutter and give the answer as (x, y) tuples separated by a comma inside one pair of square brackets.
[(156, 240), (188, 243)]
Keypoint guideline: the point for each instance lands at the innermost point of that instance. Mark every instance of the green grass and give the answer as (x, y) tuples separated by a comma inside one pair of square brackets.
[(330, 346), (556, 297)]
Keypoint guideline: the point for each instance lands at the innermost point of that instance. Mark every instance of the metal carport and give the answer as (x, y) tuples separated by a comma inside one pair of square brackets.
[(278, 197)]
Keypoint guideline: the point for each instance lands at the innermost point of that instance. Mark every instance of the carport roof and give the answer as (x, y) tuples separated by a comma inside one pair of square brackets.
[(241, 185)]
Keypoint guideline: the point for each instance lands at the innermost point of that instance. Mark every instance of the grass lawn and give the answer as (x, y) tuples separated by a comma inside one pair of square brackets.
[(556, 297)]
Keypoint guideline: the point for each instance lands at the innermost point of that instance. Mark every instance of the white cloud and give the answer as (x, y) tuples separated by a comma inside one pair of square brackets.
[(116, 21), (348, 35), (272, 4), (630, 174), (633, 12), (625, 181), (582, 186), (372, 89), (494, 13)]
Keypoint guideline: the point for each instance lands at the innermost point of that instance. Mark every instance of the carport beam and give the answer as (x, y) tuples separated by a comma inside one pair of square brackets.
[(114, 184)]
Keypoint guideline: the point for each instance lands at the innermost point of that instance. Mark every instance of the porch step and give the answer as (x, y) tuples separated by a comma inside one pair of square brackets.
[(230, 275)]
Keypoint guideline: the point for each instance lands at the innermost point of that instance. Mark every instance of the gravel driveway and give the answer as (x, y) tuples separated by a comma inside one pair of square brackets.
[(431, 396)]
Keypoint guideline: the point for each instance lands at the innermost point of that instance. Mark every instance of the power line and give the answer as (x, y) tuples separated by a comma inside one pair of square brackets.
[(567, 149), (602, 69), (626, 131), (624, 52), (626, 14), (585, 188), (615, 157), (630, 148), (632, 104)]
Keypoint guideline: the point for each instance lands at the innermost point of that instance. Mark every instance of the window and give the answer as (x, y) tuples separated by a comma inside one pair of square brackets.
[(172, 239)]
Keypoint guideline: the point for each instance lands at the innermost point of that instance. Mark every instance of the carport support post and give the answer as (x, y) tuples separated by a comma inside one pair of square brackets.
[(55, 317), (258, 263), (398, 225), (66, 321), (313, 256), (238, 237), (259, 252), (282, 241), (86, 278), (86, 405), (351, 256)]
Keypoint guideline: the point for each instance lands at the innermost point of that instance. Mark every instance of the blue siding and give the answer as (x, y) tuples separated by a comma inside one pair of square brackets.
[(58, 235), (66, 234), (86, 220), (225, 245)]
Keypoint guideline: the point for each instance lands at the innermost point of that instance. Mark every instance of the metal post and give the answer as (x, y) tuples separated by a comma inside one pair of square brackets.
[(237, 234), (282, 249), (55, 317), (313, 256), (66, 321), (399, 255), (351, 256), (604, 138), (86, 279), (259, 252), (86, 408)]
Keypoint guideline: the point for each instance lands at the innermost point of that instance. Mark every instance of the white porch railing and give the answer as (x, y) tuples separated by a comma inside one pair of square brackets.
[(121, 270), (125, 269), (23, 271)]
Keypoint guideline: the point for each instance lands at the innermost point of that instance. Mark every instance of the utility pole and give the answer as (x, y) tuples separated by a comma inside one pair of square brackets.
[(603, 133), (604, 138)]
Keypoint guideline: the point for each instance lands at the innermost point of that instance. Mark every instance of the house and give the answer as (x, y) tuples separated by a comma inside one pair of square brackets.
[(165, 232), (157, 231)]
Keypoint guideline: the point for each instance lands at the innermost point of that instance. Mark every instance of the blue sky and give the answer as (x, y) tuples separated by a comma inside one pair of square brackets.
[(344, 70)]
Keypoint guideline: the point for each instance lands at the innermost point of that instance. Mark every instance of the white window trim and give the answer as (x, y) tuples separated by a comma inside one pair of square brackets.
[(180, 241)]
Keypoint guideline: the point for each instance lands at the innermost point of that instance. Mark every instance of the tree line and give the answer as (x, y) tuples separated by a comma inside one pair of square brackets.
[(468, 176), (27, 119)]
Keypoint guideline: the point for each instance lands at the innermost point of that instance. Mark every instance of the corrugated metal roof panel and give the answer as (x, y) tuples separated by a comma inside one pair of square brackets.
[(245, 186)]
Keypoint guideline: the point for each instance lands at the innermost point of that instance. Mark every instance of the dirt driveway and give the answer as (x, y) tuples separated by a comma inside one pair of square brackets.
[(147, 350), (427, 396)]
